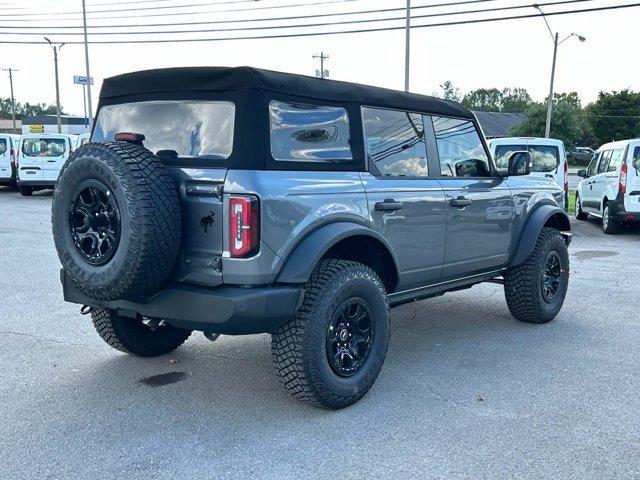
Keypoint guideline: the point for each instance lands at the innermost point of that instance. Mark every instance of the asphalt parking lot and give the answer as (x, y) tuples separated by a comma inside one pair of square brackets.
[(466, 391)]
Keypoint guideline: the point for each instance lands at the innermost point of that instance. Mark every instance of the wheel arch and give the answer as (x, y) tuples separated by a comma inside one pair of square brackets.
[(341, 240), (544, 216)]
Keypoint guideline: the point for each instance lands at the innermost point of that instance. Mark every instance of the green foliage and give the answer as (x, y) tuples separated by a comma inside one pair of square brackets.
[(614, 116), (26, 109), (563, 122), (483, 99), (450, 92), (515, 100)]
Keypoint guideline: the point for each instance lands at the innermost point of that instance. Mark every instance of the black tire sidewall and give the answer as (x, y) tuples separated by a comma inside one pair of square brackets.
[(548, 311), (83, 168), (333, 295)]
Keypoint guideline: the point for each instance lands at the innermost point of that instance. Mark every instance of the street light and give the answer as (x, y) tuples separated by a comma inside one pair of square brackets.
[(556, 43), (56, 49)]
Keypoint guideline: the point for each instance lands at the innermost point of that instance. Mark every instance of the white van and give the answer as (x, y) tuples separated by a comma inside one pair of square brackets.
[(8, 147), (40, 158), (82, 139), (610, 189), (548, 157)]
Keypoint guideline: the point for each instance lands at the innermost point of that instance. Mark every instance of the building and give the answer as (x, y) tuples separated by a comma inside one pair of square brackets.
[(49, 124), (497, 124), (6, 126)]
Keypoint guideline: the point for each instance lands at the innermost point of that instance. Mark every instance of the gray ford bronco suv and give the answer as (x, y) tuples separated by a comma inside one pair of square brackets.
[(241, 201)]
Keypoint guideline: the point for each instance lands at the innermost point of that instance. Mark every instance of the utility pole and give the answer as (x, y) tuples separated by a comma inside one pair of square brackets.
[(13, 100), (56, 48), (407, 52), (86, 61), (322, 73)]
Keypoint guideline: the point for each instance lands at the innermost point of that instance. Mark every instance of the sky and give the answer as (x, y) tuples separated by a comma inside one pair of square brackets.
[(500, 54)]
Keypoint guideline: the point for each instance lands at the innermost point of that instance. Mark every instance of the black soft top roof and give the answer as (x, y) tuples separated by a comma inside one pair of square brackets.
[(216, 79)]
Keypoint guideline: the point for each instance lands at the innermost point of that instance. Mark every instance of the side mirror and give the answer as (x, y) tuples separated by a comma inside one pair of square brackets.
[(582, 173), (519, 163)]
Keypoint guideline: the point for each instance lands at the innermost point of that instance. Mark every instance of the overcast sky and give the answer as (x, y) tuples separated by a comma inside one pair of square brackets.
[(500, 54)]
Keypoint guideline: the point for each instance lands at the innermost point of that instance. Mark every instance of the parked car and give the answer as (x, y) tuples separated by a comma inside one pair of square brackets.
[(582, 155), (8, 147), (610, 189), (548, 158), (241, 201), (82, 139), (40, 158)]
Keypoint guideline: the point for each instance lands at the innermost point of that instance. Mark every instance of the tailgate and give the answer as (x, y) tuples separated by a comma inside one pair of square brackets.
[(200, 191)]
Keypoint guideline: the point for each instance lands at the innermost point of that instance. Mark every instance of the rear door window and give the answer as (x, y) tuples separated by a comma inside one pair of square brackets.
[(182, 128), (44, 147), (503, 152), (544, 158), (3, 146), (636, 158), (309, 133), (395, 142), (461, 150)]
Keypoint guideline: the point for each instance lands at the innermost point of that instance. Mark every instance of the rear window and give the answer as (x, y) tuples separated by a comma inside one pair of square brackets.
[(309, 133), (187, 129), (636, 158), (3, 146), (544, 158), (44, 147)]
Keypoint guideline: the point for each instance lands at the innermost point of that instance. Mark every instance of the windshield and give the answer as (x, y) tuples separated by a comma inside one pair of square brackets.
[(44, 147), (544, 158), (191, 129)]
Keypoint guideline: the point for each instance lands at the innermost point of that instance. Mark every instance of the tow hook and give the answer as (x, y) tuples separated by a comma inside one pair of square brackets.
[(211, 336)]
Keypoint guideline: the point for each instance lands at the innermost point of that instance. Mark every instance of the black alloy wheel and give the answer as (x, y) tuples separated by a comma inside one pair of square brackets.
[(349, 337), (551, 275), (94, 222)]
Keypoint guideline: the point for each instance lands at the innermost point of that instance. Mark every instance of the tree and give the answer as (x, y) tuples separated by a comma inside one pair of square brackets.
[(564, 122), (515, 100), (27, 109), (483, 99), (450, 92), (614, 116)]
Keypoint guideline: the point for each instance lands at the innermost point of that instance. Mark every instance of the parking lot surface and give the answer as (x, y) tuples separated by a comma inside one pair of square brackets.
[(466, 391)]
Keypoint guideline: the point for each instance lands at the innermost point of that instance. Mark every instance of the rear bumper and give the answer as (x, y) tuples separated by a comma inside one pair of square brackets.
[(226, 310), (617, 209), (37, 183)]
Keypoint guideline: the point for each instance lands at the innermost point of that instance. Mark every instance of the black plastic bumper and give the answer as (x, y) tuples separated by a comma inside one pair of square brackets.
[(227, 310), (616, 208)]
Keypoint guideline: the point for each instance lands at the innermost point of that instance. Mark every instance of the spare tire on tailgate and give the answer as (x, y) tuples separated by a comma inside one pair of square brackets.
[(116, 221)]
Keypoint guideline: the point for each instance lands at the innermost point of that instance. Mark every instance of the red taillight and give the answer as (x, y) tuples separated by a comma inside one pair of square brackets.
[(70, 152), (244, 226), (566, 176), (622, 186)]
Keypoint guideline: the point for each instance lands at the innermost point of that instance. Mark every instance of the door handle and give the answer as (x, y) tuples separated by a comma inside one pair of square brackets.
[(460, 202), (389, 205)]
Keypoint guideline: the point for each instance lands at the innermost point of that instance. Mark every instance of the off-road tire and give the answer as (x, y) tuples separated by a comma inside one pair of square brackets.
[(150, 220), (298, 348), (130, 335), (580, 214), (523, 283), (609, 223), (25, 190)]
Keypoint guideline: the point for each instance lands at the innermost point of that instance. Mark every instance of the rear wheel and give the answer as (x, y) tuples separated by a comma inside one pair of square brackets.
[(609, 224), (331, 352), (580, 214), (535, 290), (144, 337)]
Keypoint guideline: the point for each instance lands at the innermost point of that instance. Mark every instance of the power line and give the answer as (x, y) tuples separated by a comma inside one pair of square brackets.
[(308, 25), (338, 32), (268, 7)]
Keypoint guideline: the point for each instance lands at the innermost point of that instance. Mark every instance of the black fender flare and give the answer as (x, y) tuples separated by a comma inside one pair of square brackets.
[(534, 224), (305, 256)]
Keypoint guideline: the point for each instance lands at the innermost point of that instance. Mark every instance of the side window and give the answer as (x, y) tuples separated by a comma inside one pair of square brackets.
[(309, 133), (395, 142), (461, 151), (604, 161), (636, 159), (616, 160), (592, 169)]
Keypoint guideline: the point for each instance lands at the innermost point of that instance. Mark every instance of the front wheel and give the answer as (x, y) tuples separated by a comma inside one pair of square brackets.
[(25, 191), (535, 290), (331, 352), (580, 214)]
